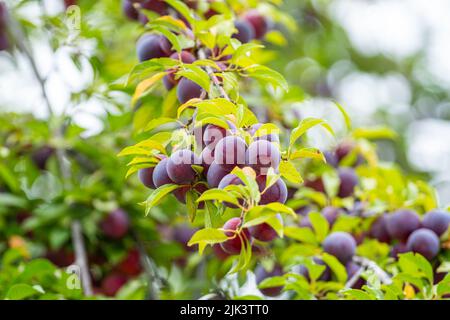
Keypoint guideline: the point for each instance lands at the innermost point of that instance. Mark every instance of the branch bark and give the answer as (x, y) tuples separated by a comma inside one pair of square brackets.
[(380, 273), (81, 257)]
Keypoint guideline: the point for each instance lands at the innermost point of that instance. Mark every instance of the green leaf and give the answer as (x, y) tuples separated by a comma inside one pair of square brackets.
[(348, 121), (374, 133), (277, 281), (311, 153), (357, 294), (218, 195), (197, 75), (158, 194), (267, 75), (155, 123), (21, 291), (207, 236), (305, 125), (301, 234), (320, 225), (191, 204), (335, 266), (289, 172)]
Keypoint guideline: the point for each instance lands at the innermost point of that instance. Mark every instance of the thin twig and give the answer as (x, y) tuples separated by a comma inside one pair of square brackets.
[(81, 257), (155, 281), (380, 273), (214, 79), (351, 282)]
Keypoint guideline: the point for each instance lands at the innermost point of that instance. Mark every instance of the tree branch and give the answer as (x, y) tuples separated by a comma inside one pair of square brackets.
[(81, 257), (380, 273)]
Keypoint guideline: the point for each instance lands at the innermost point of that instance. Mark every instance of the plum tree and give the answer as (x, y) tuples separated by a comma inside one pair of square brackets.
[(425, 242), (131, 264), (275, 193), (378, 229), (245, 32), (230, 152), (179, 166), (402, 223), (150, 46), (233, 245), (264, 232), (262, 154), (112, 283), (116, 224), (259, 23), (146, 177), (187, 90), (215, 174), (348, 181), (341, 245), (261, 273), (437, 221), (160, 176)]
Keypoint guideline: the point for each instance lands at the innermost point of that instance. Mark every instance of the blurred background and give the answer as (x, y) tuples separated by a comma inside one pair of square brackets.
[(385, 61)]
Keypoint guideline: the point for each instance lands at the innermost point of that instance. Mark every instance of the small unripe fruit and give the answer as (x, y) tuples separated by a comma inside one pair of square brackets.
[(341, 245)]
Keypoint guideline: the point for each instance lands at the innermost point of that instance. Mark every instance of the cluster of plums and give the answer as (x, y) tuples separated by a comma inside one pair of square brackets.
[(408, 232), (4, 41), (223, 150), (251, 26)]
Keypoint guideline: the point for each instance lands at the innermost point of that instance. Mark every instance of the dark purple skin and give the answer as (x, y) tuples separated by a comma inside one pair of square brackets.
[(273, 137), (398, 248), (215, 174), (149, 47), (187, 90), (402, 223), (4, 41), (116, 224), (245, 32), (169, 79), (437, 221), (180, 193), (262, 154), (157, 6), (3, 15), (352, 268), (207, 157), (226, 181), (425, 242), (129, 10), (230, 152), (378, 229), (160, 176), (182, 234), (112, 283), (179, 166), (146, 177), (349, 180), (344, 149), (331, 158), (264, 232), (325, 276), (233, 246), (213, 134), (276, 193), (198, 135), (41, 156), (303, 211), (331, 214), (261, 274), (341, 245), (259, 22)]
